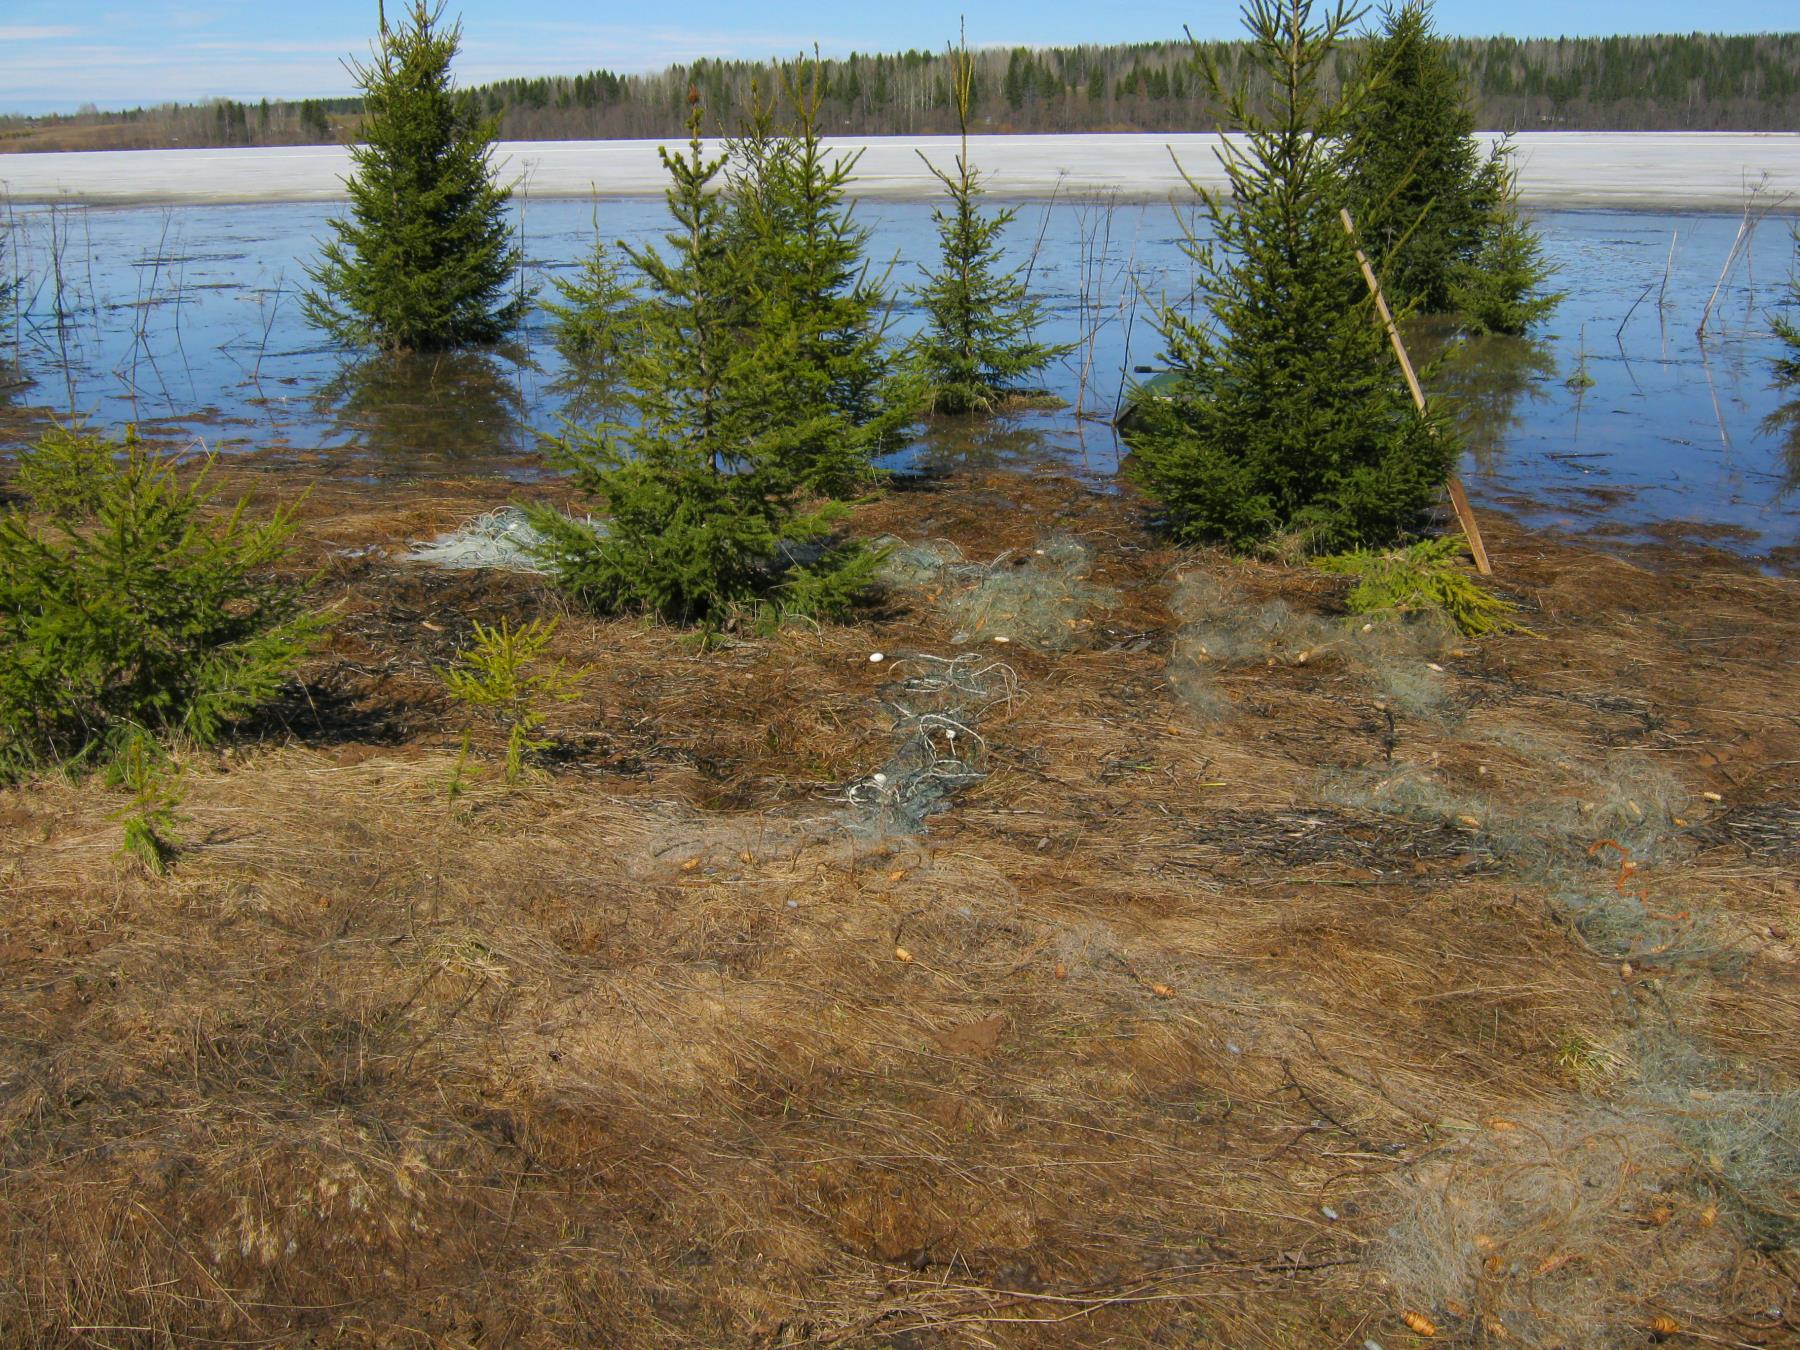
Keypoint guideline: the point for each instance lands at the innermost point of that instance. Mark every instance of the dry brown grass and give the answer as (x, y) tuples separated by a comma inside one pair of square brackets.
[(1182, 1055)]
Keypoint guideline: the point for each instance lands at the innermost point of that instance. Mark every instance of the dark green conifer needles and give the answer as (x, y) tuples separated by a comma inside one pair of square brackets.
[(425, 259), (1786, 328), (757, 390), (1439, 217), (978, 345), (1289, 416)]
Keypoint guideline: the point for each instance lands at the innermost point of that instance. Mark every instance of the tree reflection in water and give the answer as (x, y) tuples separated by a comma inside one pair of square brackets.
[(464, 405), (1026, 440), (587, 393), (1482, 380)]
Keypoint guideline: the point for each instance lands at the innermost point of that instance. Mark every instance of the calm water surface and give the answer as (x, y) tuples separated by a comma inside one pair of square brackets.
[(186, 321)]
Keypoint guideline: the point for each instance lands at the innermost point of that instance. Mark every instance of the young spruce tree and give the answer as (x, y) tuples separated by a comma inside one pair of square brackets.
[(597, 316), (978, 344), (699, 488), (1289, 415), (1500, 288), (819, 318), (1787, 368), (130, 606), (425, 260), (1440, 220), (9, 281)]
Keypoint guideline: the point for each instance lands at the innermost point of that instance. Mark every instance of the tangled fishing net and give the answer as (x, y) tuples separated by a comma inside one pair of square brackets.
[(1624, 810), (935, 705), (1040, 598), (1594, 844), (1415, 793), (1582, 1227), (1742, 1133), (502, 540), (1636, 803), (1395, 655), (1221, 633), (1631, 925)]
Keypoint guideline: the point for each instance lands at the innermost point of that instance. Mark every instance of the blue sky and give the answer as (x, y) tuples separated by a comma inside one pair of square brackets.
[(57, 54)]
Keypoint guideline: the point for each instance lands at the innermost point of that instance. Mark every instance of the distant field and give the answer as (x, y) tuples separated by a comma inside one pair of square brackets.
[(1678, 170)]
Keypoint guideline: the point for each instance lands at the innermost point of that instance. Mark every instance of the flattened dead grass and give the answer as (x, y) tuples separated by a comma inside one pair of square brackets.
[(1151, 1040)]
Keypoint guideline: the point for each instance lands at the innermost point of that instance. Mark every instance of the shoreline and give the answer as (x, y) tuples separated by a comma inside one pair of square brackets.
[(1682, 171)]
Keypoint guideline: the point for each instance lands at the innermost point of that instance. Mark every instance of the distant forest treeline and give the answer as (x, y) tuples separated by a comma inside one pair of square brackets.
[(1694, 82)]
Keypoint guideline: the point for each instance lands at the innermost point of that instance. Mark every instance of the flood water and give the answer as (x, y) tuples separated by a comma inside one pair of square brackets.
[(185, 320)]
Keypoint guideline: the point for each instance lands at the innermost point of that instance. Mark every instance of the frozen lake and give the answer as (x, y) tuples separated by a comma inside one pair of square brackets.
[(1666, 170), (185, 320)]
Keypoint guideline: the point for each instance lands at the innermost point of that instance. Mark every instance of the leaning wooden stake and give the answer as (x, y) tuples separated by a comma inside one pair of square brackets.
[(1459, 500)]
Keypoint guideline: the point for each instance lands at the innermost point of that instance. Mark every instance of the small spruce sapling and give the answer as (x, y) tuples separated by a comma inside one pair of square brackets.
[(9, 280), (1787, 368), (66, 473), (597, 317), (145, 770), (1500, 287), (129, 606), (502, 675), (1580, 379), (978, 346)]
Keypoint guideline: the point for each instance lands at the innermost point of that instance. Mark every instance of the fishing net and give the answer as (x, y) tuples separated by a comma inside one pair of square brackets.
[(1570, 1229), (502, 540), (1742, 1134), (1621, 814), (1413, 792), (1633, 926), (1040, 598), (935, 705), (1238, 636), (1636, 804), (1222, 633), (1577, 1227), (1395, 656)]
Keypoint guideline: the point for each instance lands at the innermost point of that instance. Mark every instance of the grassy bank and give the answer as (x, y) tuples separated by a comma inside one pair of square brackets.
[(1265, 990)]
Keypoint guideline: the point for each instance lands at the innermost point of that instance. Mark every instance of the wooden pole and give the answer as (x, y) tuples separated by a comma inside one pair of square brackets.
[(1459, 500)]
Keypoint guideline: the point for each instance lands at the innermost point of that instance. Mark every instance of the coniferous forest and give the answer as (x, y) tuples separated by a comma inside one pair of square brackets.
[(1685, 82)]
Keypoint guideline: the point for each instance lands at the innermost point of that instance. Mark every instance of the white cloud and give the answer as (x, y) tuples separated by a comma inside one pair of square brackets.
[(37, 33)]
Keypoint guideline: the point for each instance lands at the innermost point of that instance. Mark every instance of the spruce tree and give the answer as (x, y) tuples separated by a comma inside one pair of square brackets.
[(131, 606), (597, 317), (1500, 287), (1440, 220), (425, 260), (978, 344), (1787, 368), (1289, 414), (699, 486), (819, 316), (9, 282)]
